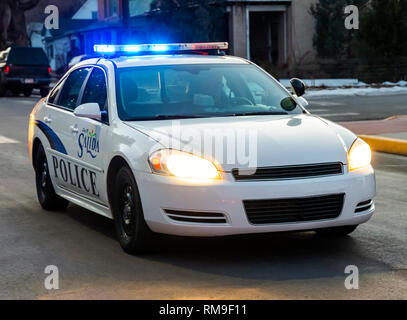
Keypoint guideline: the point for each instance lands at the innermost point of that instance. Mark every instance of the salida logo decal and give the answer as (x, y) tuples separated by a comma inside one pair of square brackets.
[(88, 141)]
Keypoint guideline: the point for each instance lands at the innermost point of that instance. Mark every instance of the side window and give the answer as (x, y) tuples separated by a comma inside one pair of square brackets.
[(72, 88), (54, 94), (95, 90)]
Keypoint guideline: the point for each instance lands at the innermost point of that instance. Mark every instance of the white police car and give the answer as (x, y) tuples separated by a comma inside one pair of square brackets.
[(181, 139)]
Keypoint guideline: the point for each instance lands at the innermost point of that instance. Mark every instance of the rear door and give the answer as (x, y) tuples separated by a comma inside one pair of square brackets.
[(58, 123)]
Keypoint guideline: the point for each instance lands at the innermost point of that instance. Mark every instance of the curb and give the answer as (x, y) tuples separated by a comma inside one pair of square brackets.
[(387, 145)]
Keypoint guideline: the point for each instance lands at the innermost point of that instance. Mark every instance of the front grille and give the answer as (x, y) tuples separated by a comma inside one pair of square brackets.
[(294, 209), (288, 172), (196, 217), (364, 206)]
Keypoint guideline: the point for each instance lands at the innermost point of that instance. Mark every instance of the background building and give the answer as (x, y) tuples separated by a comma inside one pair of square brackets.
[(276, 34)]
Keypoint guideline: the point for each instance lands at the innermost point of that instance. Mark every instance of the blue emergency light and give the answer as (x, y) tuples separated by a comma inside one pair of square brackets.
[(159, 48)]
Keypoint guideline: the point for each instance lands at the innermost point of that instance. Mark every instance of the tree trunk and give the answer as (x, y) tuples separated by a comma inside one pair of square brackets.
[(17, 30), (5, 18), (12, 22)]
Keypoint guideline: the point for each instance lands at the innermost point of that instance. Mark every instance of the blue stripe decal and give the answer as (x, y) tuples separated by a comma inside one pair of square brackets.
[(52, 137)]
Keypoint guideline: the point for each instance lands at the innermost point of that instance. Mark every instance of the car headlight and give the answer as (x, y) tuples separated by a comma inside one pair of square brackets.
[(359, 155), (182, 165)]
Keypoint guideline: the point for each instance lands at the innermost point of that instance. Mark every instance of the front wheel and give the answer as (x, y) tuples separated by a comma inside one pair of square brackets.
[(47, 197), (15, 92), (132, 231), (336, 231)]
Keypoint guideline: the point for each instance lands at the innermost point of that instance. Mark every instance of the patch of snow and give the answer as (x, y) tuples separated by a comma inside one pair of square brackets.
[(338, 83), (400, 83), (356, 92), (361, 84), (331, 83)]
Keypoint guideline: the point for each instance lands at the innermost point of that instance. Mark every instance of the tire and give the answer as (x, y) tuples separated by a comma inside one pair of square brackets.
[(47, 197), (27, 92), (2, 91), (15, 92), (132, 231), (44, 92), (336, 231)]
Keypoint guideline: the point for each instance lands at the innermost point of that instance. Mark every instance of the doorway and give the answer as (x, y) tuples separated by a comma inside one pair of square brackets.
[(267, 43)]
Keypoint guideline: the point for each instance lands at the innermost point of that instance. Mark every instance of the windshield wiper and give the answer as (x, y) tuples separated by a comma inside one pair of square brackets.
[(260, 113), (171, 117), (192, 116)]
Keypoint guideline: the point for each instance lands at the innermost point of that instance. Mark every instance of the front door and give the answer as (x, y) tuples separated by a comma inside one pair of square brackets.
[(88, 140)]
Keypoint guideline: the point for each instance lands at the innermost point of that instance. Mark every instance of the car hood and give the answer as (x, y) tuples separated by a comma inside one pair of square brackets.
[(255, 141)]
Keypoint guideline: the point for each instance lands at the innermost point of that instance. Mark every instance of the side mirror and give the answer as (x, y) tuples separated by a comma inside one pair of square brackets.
[(288, 104), (297, 86), (88, 110)]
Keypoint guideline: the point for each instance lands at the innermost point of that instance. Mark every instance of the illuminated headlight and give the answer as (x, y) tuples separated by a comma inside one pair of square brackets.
[(31, 127), (359, 155), (182, 165)]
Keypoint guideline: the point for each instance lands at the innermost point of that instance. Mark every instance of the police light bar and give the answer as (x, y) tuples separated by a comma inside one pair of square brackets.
[(156, 48)]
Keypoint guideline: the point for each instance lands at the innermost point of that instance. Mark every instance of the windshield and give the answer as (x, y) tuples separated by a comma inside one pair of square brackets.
[(36, 56), (194, 91)]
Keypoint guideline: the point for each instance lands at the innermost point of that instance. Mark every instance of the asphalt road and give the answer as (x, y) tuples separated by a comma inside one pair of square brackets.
[(282, 266), (359, 108)]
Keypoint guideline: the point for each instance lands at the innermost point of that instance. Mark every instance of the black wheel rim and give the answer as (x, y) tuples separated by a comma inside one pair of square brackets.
[(43, 177), (127, 210)]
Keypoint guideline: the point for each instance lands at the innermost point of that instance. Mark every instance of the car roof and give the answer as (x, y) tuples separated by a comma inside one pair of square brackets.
[(156, 60)]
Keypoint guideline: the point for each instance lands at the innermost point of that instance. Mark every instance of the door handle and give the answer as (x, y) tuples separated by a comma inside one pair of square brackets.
[(47, 119), (74, 129)]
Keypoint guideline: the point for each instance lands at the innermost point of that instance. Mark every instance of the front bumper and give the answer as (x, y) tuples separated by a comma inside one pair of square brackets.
[(226, 197)]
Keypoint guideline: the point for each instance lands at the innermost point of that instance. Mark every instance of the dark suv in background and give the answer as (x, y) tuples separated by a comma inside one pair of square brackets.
[(22, 69)]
